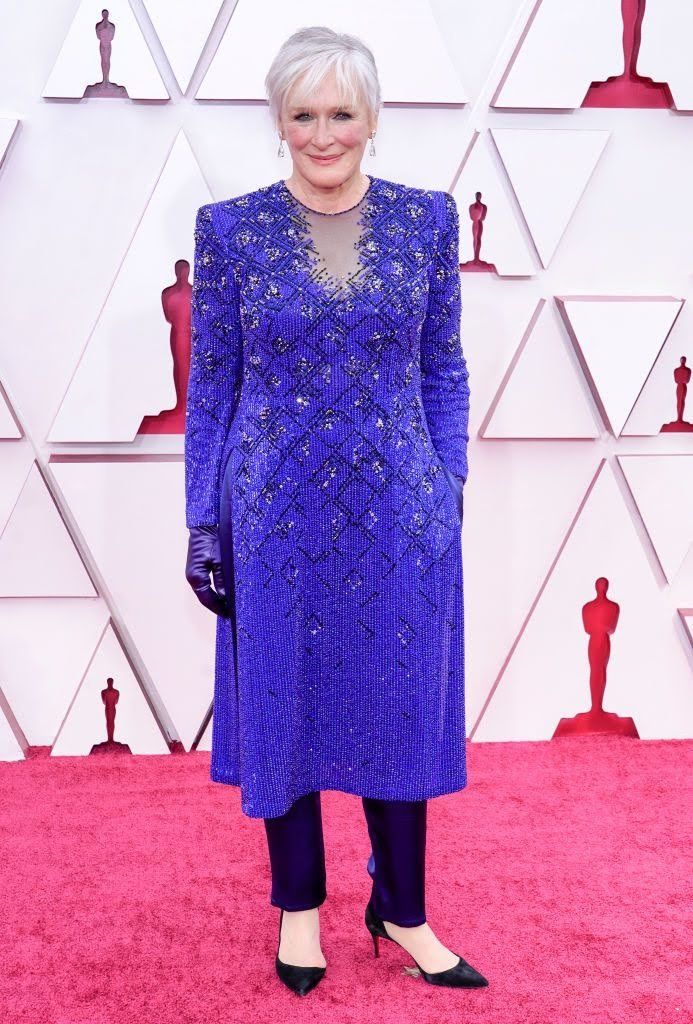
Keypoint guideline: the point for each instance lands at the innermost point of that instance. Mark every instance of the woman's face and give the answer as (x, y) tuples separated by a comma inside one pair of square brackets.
[(326, 129)]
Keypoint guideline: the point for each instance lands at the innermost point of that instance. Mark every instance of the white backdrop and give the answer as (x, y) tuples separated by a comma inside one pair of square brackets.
[(571, 343)]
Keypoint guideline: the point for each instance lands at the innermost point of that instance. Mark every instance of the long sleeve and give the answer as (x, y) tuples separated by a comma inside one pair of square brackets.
[(444, 376), (215, 369)]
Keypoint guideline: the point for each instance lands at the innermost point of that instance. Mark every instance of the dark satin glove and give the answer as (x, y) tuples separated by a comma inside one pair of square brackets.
[(204, 556), (457, 487)]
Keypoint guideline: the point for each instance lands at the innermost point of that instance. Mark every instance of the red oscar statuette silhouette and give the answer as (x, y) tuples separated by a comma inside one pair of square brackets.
[(477, 215), (599, 618), (105, 30), (110, 697), (629, 89), (682, 375), (176, 301)]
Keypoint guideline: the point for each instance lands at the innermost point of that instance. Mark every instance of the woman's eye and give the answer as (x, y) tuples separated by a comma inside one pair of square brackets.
[(340, 113)]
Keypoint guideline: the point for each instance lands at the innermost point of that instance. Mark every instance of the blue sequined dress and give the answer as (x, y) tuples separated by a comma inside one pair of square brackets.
[(327, 415)]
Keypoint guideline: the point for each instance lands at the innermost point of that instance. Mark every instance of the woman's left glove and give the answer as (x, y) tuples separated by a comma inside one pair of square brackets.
[(204, 556)]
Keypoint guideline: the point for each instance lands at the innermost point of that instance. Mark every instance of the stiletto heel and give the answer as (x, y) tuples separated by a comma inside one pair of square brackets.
[(299, 979), (462, 975), (376, 927)]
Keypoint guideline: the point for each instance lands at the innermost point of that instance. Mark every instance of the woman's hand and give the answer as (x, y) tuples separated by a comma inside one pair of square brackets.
[(204, 556)]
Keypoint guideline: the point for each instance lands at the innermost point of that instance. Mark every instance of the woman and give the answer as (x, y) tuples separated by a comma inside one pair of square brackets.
[(325, 456)]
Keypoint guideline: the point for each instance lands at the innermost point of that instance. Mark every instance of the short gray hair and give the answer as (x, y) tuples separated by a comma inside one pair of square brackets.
[(315, 51)]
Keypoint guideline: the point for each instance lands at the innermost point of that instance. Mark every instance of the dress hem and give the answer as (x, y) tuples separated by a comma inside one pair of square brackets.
[(428, 794)]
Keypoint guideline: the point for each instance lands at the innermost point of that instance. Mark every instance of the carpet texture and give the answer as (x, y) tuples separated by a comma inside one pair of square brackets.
[(134, 890)]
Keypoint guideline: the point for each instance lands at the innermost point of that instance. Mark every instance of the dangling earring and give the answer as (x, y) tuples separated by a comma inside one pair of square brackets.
[(280, 151), (372, 149)]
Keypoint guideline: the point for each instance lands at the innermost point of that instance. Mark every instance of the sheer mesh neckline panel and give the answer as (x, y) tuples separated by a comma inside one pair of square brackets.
[(325, 213), (332, 241)]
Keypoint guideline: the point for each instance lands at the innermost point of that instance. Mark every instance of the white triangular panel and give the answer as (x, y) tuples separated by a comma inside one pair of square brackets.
[(183, 29), (656, 404), (548, 200), (10, 746), (126, 369), (206, 738), (37, 555), (619, 339), (79, 63), (16, 461), (503, 242), (547, 677), (666, 43), (131, 514), (544, 395), (686, 616), (8, 126), (45, 646), (662, 486), (418, 69), (516, 515), (85, 722), (9, 424), (566, 47)]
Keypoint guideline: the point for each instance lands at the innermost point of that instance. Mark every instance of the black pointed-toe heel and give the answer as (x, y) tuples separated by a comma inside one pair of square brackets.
[(299, 979), (462, 975)]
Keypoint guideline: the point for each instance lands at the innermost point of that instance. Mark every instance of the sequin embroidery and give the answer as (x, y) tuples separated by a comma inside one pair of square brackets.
[(327, 415)]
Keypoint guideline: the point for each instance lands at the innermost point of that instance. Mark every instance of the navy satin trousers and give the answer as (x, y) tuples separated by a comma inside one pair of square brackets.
[(397, 865)]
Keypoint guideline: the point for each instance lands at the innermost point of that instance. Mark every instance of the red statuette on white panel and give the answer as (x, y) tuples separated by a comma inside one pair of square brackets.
[(413, 61), (131, 513), (105, 56), (547, 677), (517, 516), (133, 724), (126, 369), (618, 340), (503, 244), (543, 393), (547, 199), (37, 555), (660, 399)]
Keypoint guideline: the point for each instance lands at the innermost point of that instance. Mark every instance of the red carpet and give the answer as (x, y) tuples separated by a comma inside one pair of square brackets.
[(134, 890)]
